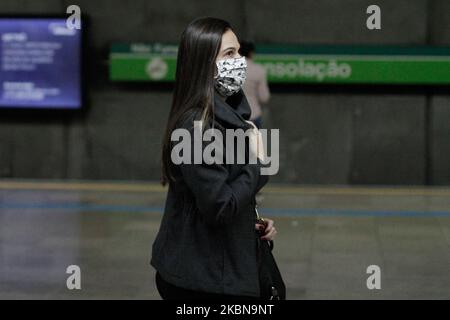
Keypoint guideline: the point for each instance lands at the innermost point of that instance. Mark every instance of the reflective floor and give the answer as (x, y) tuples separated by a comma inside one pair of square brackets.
[(328, 236)]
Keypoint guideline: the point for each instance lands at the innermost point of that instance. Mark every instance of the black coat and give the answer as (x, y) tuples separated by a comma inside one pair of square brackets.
[(207, 238)]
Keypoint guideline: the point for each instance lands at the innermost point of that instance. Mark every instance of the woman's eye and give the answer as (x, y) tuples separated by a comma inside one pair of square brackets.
[(230, 54)]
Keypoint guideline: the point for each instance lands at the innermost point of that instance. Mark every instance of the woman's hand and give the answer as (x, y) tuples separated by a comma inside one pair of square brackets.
[(270, 232), (256, 144)]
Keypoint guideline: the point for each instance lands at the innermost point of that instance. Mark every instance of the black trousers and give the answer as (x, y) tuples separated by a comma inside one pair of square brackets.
[(168, 291)]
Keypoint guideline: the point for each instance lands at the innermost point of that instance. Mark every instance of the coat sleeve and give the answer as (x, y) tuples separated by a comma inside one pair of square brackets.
[(217, 197)]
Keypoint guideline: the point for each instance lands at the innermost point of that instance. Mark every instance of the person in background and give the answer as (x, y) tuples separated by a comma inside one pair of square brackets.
[(255, 87)]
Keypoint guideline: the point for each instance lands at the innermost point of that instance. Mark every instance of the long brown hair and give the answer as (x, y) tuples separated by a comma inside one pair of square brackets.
[(194, 80)]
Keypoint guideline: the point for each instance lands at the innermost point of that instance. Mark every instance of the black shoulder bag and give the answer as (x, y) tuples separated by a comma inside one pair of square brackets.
[(270, 280)]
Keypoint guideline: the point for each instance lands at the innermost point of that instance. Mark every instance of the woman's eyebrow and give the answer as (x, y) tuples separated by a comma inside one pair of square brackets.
[(234, 48)]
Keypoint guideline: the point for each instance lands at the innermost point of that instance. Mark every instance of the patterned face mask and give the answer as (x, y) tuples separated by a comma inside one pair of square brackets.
[(231, 74)]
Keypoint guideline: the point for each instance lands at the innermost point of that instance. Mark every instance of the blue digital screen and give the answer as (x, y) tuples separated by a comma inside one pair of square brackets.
[(40, 64)]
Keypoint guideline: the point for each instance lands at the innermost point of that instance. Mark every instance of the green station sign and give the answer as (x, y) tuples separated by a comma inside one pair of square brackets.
[(300, 64)]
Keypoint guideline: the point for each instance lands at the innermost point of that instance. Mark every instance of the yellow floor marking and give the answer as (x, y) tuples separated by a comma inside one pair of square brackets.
[(270, 189)]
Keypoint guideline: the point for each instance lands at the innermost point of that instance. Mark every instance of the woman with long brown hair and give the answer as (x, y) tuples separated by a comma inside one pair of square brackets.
[(206, 247)]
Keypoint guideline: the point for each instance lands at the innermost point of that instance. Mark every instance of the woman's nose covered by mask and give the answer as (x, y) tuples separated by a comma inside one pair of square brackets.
[(231, 74)]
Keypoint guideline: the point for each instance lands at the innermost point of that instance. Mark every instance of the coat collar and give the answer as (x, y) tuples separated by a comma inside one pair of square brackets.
[(234, 111)]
